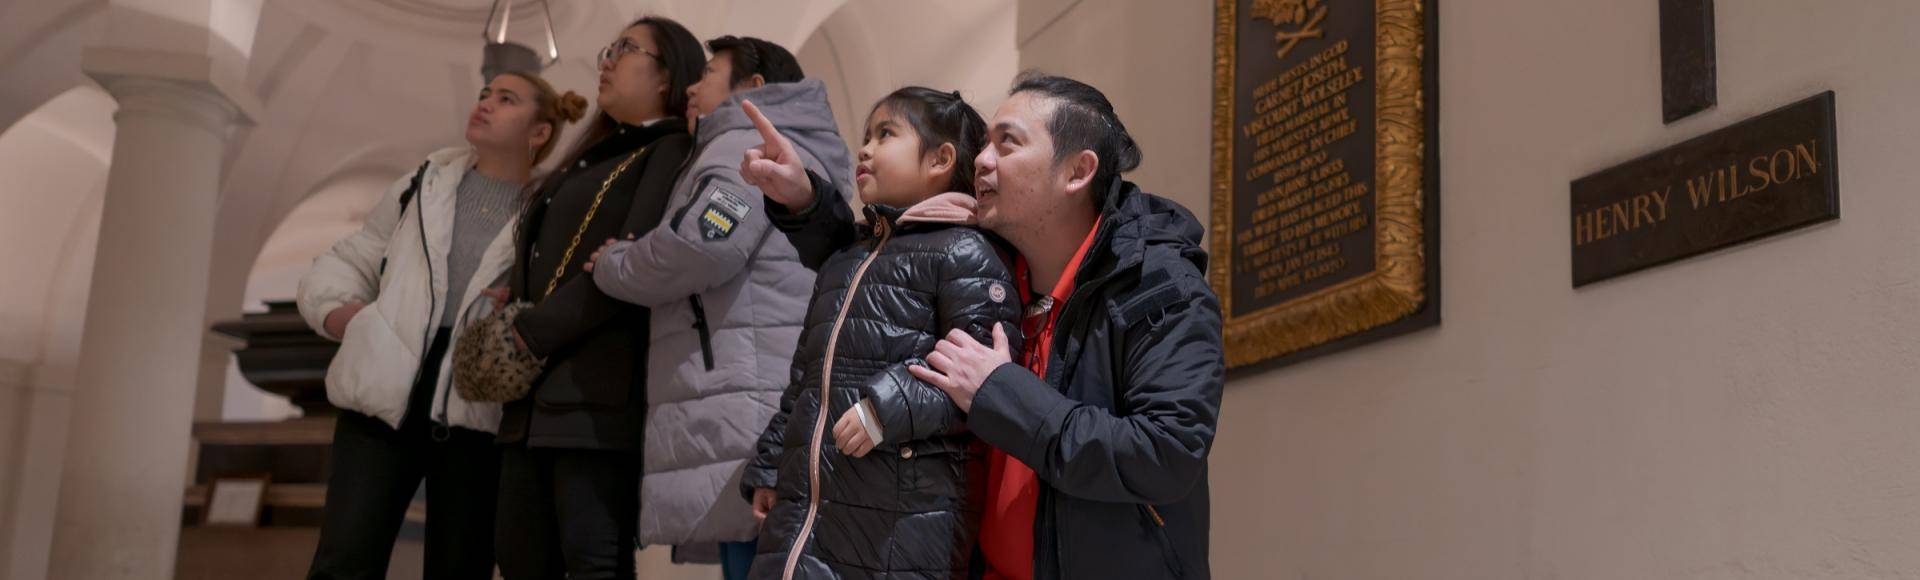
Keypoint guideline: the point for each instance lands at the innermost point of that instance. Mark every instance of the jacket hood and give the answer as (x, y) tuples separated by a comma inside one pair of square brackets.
[(462, 156), (800, 111), (451, 163), (1136, 222)]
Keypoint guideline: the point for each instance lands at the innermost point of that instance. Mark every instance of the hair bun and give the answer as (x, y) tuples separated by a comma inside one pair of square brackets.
[(573, 107)]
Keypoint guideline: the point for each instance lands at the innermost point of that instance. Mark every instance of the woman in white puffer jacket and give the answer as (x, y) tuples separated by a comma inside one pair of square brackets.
[(395, 294)]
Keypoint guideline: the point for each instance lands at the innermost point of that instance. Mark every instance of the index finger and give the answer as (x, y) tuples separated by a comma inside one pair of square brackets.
[(767, 132)]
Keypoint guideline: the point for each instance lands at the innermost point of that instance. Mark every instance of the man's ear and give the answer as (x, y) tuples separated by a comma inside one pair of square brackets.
[(756, 81), (1080, 169)]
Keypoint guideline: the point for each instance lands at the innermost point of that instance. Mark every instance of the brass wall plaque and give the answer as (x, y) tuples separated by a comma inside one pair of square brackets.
[(1325, 213), (1759, 177)]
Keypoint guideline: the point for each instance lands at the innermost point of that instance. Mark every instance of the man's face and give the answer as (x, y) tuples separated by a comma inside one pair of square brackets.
[(715, 86), (1018, 185)]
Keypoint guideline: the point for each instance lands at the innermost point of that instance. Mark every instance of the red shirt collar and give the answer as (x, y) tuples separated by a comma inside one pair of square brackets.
[(1023, 273)]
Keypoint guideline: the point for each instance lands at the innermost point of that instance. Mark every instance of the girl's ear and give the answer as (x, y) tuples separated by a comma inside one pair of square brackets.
[(942, 160), (542, 132)]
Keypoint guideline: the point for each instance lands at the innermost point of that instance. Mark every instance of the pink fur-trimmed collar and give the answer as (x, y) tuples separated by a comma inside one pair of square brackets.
[(946, 208)]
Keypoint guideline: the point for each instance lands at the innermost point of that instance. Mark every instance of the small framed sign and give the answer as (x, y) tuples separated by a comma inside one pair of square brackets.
[(1759, 177), (235, 501)]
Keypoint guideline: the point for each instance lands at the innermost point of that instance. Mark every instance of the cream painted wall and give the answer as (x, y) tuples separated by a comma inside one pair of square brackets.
[(1741, 415), (230, 23), (1749, 414), (55, 162), (1153, 60), (869, 48)]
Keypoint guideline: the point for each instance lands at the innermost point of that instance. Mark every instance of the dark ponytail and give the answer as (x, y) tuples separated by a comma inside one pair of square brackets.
[(941, 118)]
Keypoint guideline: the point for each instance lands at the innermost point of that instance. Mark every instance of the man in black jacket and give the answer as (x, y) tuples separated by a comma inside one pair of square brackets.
[(1102, 435)]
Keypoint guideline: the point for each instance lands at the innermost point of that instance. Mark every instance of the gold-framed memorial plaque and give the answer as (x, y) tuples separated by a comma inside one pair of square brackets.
[(1325, 225)]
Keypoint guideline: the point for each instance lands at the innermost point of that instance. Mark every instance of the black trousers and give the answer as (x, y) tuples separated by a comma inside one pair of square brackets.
[(376, 470), (567, 513)]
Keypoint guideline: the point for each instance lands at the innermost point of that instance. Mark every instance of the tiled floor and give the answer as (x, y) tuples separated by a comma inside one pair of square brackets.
[(212, 553)]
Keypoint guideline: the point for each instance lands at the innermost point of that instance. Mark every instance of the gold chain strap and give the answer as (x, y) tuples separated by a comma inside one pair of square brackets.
[(567, 258)]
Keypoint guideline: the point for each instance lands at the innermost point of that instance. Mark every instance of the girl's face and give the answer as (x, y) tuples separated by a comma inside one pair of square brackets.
[(633, 83), (892, 171), (507, 117)]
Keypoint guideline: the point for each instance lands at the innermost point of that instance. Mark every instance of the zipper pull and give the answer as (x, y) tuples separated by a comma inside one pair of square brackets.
[(1155, 514)]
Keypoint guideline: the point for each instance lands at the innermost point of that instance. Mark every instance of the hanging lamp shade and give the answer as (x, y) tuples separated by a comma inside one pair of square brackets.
[(499, 55)]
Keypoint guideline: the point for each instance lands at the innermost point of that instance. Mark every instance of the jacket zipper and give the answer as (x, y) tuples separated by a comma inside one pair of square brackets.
[(700, 324), (426, 338), (1159, 527), (406, 199), (826, 389), (459, 321), (680, 215), (1072, 312)]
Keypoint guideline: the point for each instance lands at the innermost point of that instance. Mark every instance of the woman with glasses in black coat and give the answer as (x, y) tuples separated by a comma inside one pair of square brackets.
[(570, 467)]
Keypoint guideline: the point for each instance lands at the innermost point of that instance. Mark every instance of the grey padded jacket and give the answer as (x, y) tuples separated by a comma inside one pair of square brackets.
[(728, 295)]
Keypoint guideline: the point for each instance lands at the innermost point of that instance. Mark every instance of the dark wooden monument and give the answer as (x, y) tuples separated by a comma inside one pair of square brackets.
[(1325, 174)]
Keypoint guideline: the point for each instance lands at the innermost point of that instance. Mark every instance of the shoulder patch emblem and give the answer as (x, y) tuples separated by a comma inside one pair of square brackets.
[(715, 224), (728, 203)]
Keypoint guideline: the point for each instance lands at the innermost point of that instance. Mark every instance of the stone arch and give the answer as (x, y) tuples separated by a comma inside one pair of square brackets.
[(868, 48)]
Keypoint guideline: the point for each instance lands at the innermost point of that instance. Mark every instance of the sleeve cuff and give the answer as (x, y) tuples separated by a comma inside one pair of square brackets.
[(319, 323), (869, 421), (756, 478), (520, 328), (1011, 410), (782, 215), (788, 219)]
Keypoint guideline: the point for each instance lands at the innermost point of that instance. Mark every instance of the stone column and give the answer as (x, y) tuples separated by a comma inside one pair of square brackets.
[(133, 405)]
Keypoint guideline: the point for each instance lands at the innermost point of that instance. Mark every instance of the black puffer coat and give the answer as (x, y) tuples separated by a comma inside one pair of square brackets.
[(592, 392), (911, 507), (1120, 428)]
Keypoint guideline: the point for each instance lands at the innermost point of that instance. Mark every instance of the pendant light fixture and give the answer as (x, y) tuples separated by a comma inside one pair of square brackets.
[(500, 56)]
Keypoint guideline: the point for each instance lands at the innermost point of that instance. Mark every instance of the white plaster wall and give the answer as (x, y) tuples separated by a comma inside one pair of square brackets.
[(1744, 415), (869, 48), (1749, 414), (230, 23), (54, 163)]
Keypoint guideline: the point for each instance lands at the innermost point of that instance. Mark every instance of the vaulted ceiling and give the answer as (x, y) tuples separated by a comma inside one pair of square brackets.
[(355, 92)]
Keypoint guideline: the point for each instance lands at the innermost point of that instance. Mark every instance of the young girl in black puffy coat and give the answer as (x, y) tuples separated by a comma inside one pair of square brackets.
[(866, 472)]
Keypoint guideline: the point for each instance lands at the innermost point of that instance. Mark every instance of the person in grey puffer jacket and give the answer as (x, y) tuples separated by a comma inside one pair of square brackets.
[(727, 294)]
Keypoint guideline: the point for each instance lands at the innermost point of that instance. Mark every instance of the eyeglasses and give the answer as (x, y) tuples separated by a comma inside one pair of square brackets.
[(620, 49)]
